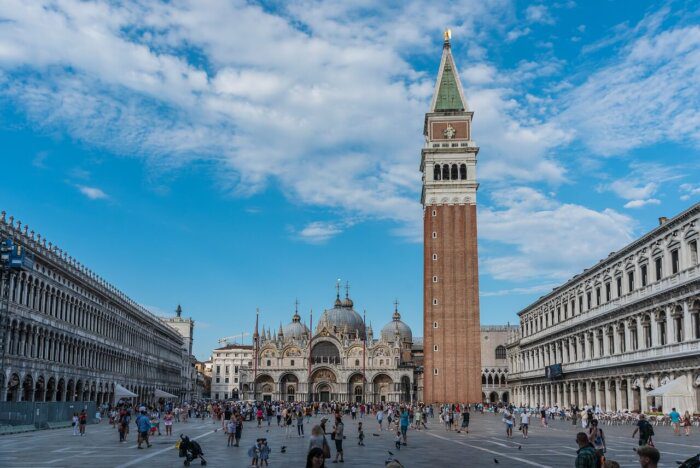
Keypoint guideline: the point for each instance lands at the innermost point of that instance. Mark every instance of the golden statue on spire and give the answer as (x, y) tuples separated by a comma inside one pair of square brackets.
[(447, 34)]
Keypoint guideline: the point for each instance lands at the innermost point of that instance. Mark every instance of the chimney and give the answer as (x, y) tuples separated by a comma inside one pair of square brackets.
[(662, 220)]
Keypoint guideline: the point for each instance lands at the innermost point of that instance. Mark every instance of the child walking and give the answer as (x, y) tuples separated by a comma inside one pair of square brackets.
[(254, 452), (264, 453), (397, 440)]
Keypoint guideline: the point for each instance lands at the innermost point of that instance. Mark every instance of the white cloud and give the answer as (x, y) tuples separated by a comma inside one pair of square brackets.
[(630, 189), (547, 239), (517, 33), (644, 95), (93, 193), (319, 232), (539, 288), (642, 203), (689, 191), (538, 14), (280, 95)]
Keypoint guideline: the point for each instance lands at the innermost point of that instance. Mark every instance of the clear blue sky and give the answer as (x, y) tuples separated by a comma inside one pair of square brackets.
[(233, 155)]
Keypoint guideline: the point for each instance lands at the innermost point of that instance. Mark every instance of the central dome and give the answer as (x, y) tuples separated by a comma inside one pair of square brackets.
[(342, 318)]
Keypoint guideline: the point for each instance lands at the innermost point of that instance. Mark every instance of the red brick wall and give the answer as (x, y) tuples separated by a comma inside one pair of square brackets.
[(458, 358)]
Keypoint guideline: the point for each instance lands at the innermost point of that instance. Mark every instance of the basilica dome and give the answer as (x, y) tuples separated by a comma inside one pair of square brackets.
[(389, 330), (342, 318), (296, 329)]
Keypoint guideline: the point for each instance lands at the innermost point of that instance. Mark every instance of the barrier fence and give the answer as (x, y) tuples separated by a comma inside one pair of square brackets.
[(16, 413)]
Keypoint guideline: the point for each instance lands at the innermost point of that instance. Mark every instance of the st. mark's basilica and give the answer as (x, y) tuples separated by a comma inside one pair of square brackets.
[(341, 360)]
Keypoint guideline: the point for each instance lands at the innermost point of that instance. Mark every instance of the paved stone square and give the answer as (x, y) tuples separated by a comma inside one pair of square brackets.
[(552, 447)]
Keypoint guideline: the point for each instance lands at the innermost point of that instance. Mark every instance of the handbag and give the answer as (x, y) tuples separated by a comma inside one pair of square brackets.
[(326, 449)]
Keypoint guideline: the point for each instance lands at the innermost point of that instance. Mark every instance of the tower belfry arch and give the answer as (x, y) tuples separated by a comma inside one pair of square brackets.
[(452, 370)]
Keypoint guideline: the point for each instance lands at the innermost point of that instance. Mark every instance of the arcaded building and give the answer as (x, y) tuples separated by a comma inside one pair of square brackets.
[(494, 362), (69, 335), (452, 363), (623, 334)]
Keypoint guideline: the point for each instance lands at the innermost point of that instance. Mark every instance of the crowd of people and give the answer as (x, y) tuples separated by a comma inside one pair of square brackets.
[(327, 437)]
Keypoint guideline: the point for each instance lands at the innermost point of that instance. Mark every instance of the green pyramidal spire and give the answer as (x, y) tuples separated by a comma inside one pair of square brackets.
[(448, 97)]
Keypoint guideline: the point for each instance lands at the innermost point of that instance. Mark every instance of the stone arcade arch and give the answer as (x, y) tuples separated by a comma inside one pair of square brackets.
[(289, 387), (405, 389), (265, 386), (324, 385), (382, 384), (325, 352), (28, 388), (356, 387), (13, 388), (40, 389)]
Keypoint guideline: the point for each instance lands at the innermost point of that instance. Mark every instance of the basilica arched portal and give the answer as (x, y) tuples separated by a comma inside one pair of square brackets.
[(324, 384)]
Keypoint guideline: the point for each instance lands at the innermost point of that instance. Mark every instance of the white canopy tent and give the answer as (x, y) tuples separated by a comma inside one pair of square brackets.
[(122, 392), (677, 393), (162, 394)]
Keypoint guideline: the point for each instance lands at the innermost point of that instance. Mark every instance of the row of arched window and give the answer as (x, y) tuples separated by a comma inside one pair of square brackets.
[(493, 380), (42, 297), (450, 172), (27, 341), (661, 263)]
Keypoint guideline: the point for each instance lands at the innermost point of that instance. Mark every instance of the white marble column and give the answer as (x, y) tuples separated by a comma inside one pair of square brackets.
[(687, 324), (630, 395), (670, 325), (608, 403), (654, 330)]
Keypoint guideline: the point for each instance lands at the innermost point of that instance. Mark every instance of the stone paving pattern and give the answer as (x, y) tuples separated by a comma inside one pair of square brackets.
[(552, 447)]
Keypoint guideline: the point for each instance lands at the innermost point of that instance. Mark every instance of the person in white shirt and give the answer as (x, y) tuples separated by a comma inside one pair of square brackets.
[(525, 423)]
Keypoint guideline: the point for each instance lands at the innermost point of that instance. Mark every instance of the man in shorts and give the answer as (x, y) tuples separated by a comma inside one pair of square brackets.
[(525, 423), (645, 430), (675, 421), (144, 426)]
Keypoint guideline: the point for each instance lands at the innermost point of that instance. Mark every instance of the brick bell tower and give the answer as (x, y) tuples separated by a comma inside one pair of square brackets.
[(452, 364)]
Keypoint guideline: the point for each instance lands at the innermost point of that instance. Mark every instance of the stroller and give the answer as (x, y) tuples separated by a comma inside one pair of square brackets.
[(190, 450)]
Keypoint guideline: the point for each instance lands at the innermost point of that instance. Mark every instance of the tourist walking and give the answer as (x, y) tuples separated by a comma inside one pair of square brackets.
[(597, 438), (646, 431), (300, 423), (288, 424), (82, 421), (508, 420), (143, 423), (465, 419), (403, 423), (687, 423), (338, 432), (316, 439), (239, 428), (675, 421), (74, 424), (525, 423), (380, 418), (168, 421), (360, 434)]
